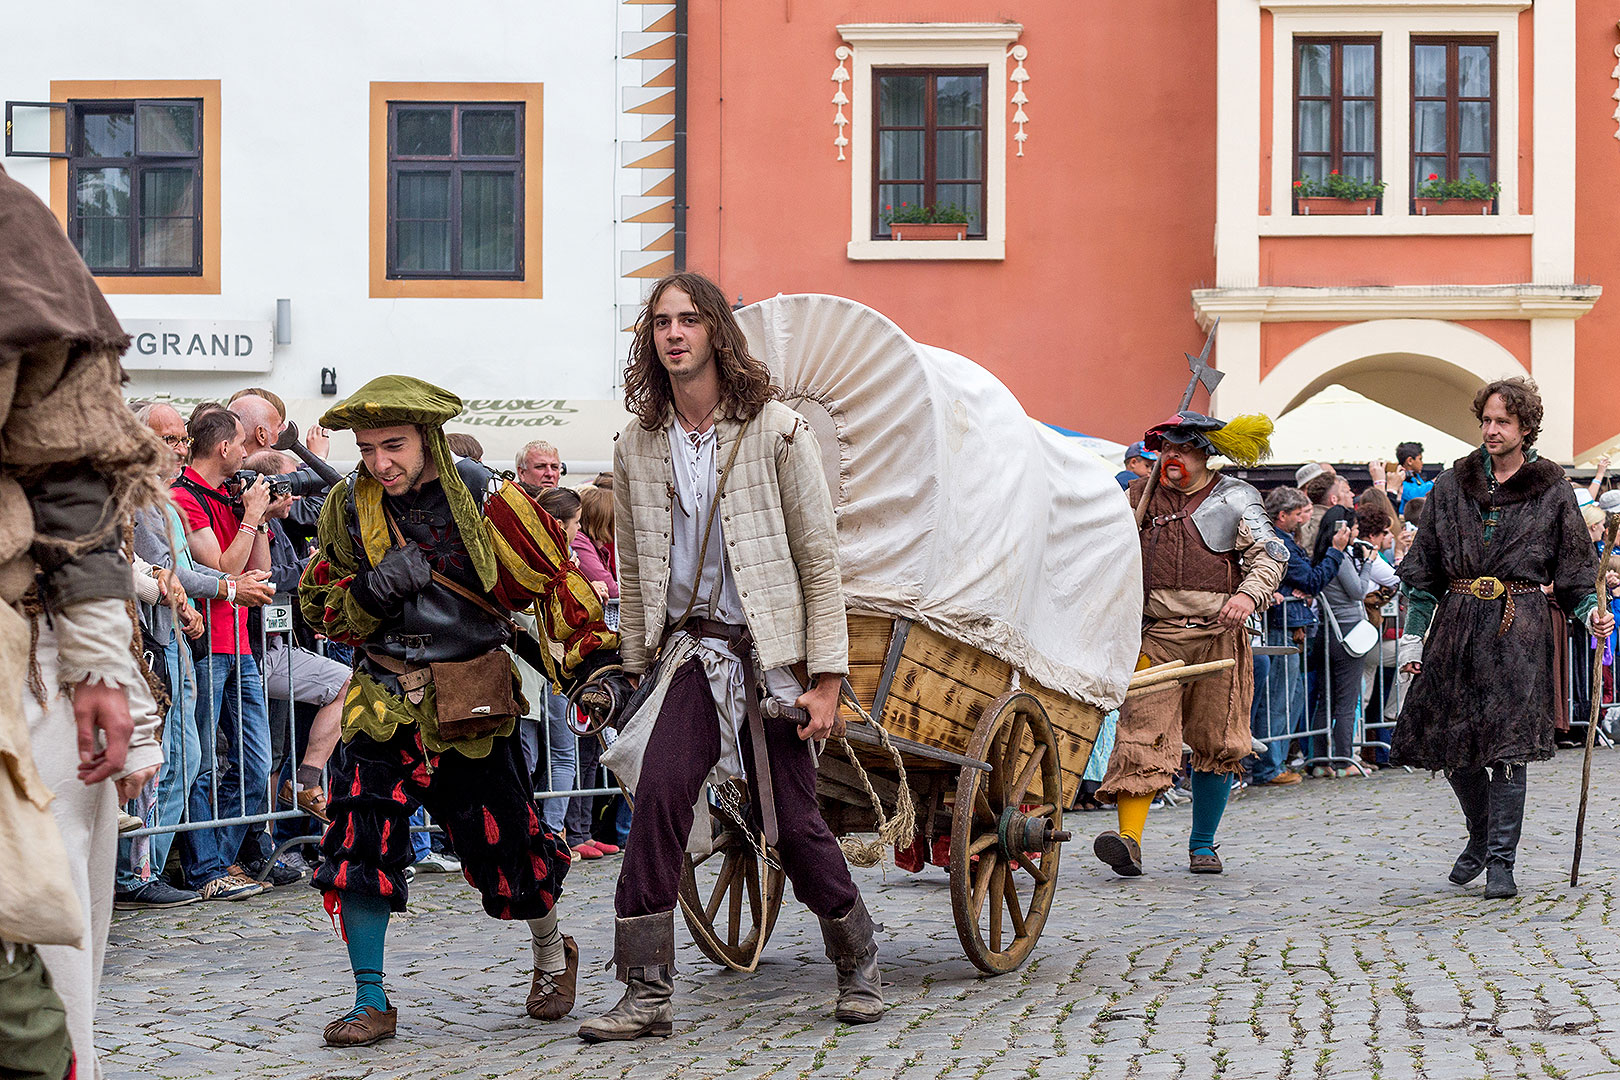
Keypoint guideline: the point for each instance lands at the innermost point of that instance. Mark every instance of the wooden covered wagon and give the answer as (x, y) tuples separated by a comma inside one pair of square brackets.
[(993, 584)]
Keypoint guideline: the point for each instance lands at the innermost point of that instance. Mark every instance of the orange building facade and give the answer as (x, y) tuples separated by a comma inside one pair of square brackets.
[(1129, 175)]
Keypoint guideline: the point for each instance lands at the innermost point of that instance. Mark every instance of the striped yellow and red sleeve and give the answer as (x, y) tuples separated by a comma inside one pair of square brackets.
[(535, 567), (323, 592)]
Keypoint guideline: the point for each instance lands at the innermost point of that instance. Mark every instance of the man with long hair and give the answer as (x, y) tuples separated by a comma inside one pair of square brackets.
[(1484, 697), (728, 564)]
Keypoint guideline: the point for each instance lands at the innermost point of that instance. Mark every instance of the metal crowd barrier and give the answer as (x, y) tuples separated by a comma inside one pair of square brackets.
[(1382, 690), (280, 738)]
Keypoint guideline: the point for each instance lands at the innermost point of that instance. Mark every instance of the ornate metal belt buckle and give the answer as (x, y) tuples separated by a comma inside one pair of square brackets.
[(1487, 588)]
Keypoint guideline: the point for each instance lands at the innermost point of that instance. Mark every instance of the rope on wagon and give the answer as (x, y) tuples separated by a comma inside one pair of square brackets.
[(898, 831)]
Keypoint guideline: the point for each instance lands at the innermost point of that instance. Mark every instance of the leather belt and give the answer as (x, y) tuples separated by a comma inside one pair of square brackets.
[(1491, 588), (741, 643), (412, 678)]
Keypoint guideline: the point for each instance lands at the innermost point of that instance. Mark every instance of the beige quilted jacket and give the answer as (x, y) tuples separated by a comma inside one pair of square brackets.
[(781, 540)]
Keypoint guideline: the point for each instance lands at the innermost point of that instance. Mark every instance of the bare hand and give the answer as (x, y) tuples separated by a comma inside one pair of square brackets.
[(317, 440), (1612, 579), (1414, 668), (279, 505), (191, 622), (1236, 612), (1602, 624), (1375, 470), (252, 589), (601, 589), (822, 702), (1341, 536), (255, 502), (98, 707), (131, 785), (167, 583), (1603, 464)]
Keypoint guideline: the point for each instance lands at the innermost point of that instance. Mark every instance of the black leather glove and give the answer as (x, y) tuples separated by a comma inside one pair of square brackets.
[(398, 574)]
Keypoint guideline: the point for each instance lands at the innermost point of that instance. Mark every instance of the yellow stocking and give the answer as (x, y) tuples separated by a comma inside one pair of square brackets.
[(1133, 812), (1133, 809)]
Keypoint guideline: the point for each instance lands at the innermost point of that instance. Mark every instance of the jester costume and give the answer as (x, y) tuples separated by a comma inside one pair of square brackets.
[(489, 550), (1200, 549)]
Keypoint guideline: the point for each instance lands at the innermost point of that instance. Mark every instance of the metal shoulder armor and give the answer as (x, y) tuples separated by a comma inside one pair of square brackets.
[(1233, 501)]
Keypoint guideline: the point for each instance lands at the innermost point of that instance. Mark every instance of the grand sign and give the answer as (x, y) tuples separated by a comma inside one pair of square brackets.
[(199, 344)]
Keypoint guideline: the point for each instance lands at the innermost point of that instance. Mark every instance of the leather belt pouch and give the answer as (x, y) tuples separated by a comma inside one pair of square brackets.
[(474, 697)]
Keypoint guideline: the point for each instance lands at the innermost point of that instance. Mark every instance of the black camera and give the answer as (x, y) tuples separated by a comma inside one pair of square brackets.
[(237, 483)]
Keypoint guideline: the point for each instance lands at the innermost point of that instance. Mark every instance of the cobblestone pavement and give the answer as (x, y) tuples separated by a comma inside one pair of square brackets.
[(1332, 947)]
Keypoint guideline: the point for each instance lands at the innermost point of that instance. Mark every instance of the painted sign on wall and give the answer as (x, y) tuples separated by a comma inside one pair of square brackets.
[(199, 344)]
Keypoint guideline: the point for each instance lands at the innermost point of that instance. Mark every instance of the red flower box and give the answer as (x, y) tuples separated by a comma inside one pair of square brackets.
[(1425, 207), (1328, 205), (938, 230)]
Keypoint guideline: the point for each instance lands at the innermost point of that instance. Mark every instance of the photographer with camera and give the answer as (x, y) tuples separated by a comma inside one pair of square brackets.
[(225, 511)]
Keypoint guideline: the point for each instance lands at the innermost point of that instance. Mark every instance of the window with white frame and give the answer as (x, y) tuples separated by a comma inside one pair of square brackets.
[(928, 122), (1443, 101)]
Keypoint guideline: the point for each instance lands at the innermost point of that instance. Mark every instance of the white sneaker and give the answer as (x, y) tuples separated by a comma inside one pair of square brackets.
[(439, 862)]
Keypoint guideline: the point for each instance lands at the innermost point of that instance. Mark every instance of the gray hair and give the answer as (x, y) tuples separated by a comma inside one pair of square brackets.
[(536, 445), (1282, 500)]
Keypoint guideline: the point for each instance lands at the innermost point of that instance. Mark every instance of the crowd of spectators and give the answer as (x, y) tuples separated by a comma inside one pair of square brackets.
[(254, 698)]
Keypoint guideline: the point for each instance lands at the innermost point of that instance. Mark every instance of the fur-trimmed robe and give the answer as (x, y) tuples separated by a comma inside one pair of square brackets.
[(1483, 698)]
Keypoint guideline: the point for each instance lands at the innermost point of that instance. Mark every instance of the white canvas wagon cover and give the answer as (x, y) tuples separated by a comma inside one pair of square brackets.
[(955, 509)]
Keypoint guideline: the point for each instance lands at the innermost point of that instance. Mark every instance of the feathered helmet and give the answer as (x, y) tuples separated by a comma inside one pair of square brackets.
[(1244, 439)]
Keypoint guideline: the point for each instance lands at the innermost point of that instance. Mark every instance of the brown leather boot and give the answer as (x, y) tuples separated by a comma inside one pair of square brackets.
[(1120, 852), (362, 1028), (551, 997), (853, 950), (644, 952)]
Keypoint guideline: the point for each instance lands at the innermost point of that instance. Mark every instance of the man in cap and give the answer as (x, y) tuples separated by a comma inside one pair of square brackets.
[(1138, 462), (420, 557), (1210, 559)]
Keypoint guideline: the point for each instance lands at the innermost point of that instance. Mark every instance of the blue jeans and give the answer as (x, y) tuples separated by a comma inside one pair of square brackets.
[(141, 860), (230, 700), (564, 757), (1280, 706)]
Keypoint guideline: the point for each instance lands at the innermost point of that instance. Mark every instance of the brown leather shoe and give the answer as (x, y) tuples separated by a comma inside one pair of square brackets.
[(362, 1028), (551, 997), (1120, 852), (1200, 862)]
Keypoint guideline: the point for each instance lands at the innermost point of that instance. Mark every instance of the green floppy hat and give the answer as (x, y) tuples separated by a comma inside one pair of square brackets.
[(390, 400)]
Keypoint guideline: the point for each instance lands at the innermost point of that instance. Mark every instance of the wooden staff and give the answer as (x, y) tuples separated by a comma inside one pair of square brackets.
[(1611, 512)]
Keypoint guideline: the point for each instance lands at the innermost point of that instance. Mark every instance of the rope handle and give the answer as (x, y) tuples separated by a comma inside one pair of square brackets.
[(899, 831)]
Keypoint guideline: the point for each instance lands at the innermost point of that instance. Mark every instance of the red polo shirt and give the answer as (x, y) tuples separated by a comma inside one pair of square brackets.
[(227, 623)]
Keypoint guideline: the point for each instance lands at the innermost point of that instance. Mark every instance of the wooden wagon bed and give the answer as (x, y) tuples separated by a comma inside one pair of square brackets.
[(991, 765)]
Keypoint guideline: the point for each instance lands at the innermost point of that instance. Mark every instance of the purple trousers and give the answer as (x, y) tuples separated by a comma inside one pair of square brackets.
[(684, 746)]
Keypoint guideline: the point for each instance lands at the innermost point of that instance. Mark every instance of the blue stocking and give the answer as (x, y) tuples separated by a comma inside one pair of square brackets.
[(1209, 794), (365, 924)]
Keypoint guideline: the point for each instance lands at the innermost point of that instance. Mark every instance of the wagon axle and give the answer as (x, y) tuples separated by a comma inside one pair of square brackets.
[(1019, 833)]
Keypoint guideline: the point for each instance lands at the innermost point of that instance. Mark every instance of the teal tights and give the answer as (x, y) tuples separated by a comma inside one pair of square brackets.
[(365, 924), (1209, 794)]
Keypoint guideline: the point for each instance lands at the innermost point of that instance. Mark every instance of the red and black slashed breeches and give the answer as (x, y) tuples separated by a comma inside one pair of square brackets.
[(484, 804)]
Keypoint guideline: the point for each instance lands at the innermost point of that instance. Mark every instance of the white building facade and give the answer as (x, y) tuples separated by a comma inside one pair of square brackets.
[(416, 189)]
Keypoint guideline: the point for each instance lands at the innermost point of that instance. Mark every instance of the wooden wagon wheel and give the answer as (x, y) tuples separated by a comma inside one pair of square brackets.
[(1007, 834), (727, 908)]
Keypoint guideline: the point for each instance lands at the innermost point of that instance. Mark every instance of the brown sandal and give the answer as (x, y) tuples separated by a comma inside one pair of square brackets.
[(362, 1028), (551, 997)]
